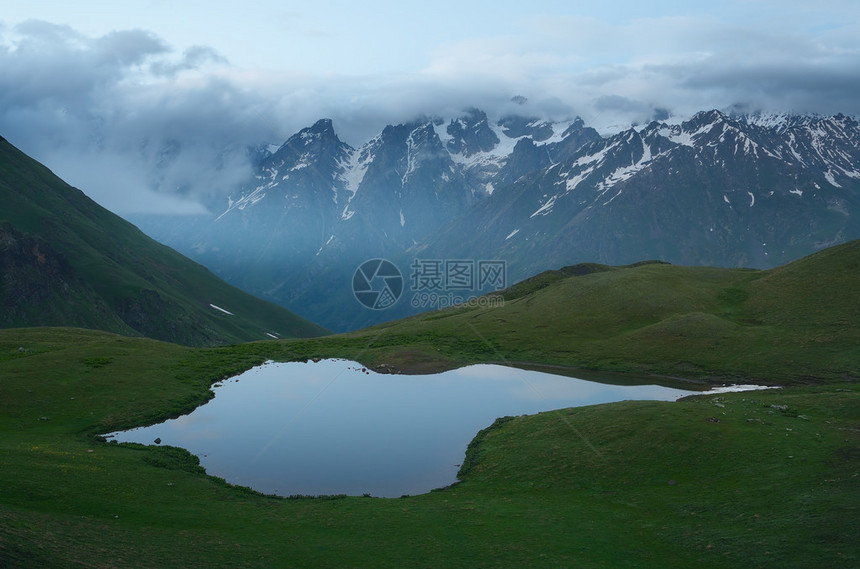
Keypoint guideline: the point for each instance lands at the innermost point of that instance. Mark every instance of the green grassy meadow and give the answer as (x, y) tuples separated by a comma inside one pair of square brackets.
[(756, 479)]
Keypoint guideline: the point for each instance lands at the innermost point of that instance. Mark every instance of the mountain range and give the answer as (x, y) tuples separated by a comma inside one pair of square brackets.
[(716, 189), (66, 261)]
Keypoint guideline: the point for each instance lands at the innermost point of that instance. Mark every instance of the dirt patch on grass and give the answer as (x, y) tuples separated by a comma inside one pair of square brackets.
[(413, 361)]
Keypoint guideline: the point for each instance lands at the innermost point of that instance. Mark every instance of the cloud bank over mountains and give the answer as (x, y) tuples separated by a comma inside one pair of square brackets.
[(143, 127)]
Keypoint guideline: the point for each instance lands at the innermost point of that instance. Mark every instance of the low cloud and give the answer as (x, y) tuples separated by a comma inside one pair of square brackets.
[(137, 127), (142, 128)]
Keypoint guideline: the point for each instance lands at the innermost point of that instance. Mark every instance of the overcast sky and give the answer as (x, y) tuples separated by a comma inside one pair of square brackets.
[(149, 105)]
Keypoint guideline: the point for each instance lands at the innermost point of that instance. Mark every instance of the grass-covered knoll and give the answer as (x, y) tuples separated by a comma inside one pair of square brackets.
[(796, 322), (765, 479), (66, 261)]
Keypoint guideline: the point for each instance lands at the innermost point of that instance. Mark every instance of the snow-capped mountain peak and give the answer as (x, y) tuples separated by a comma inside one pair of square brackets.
[(717, 189)]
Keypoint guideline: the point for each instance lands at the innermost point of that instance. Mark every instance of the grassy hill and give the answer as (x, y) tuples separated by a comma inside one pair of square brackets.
[(797, 322), (764, 479), (66, 261)]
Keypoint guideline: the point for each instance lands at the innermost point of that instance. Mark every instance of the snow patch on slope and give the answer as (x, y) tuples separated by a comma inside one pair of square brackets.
[(221, 309), (354, 168), (545, 208)]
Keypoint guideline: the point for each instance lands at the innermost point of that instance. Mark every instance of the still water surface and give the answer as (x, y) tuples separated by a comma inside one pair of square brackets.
[(330, 428)]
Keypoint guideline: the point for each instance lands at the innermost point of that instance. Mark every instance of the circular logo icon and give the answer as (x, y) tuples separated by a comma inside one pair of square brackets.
[(377, 284)]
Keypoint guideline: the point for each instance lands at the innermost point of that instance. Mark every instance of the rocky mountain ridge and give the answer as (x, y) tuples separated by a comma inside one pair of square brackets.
[(716, 189)]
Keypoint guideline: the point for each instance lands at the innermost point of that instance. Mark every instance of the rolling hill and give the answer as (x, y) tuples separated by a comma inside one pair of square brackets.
[(796, 322)]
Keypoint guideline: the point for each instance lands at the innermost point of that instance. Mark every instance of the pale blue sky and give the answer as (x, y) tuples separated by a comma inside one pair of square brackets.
[(85, 82), (391, 36)]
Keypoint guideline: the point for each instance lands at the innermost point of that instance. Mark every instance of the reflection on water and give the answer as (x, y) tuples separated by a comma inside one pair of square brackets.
[(333, 427)]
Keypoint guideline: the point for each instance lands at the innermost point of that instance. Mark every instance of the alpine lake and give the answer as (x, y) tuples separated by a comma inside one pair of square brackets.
[(335, 427)]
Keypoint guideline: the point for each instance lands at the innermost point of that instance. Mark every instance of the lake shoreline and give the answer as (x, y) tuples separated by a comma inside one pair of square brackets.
[(333, 426)]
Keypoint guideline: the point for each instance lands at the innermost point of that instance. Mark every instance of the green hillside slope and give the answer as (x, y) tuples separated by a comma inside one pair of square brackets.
[(66, 261), (795, 322)]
